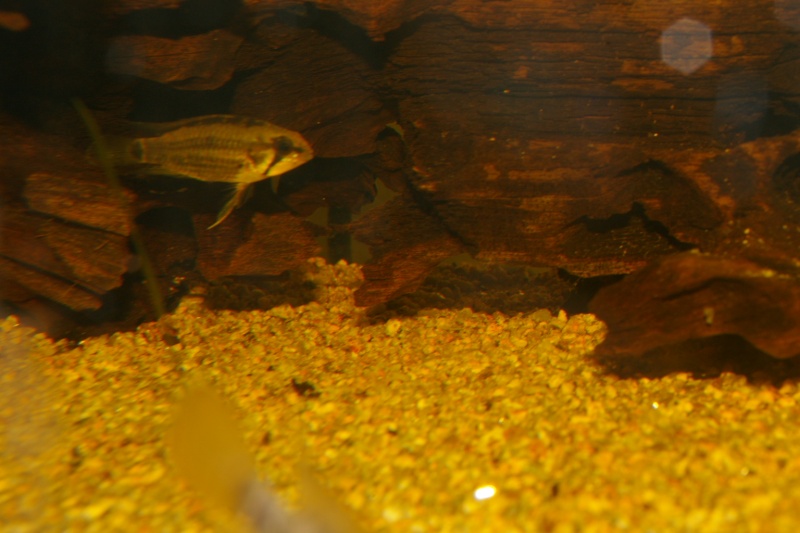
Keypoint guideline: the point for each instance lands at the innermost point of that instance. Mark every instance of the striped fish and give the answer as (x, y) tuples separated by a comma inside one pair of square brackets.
[(219, 148), (208, 449)]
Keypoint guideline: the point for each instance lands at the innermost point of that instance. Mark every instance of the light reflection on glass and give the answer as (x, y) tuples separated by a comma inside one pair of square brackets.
[(686, 45)]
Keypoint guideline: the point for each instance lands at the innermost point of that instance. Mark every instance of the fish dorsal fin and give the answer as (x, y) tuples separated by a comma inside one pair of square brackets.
[(154, 129)]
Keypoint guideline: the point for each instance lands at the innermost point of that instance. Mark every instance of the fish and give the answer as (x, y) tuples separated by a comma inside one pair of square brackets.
[(215, 148), (209, 452)]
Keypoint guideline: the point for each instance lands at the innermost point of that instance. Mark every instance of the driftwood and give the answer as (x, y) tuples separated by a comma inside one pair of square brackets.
[(263, 246), (746, 285), (599, 138), (693, 296), (134, 56), (64, 234)]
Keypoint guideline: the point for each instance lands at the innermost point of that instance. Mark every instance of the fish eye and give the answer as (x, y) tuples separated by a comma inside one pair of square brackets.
[(283, 146)]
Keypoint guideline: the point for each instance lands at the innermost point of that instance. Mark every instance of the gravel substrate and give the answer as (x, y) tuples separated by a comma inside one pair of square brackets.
[(402, 421)]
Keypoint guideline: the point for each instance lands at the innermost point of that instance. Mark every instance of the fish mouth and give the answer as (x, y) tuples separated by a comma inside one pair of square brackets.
[(290, 155)]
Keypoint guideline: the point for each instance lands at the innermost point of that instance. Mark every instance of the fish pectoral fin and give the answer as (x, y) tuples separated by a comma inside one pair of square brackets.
[(239, 197)]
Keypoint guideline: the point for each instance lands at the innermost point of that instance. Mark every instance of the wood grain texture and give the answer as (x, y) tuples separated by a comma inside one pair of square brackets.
[(198, 62), (694, 296), (262, 246), (64, 232)]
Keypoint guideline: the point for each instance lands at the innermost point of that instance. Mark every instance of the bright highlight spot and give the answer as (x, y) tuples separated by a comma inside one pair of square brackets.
[(686, 45), (485, 492)]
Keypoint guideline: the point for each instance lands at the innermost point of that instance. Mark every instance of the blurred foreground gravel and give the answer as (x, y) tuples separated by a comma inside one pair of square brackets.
[(401, 421)]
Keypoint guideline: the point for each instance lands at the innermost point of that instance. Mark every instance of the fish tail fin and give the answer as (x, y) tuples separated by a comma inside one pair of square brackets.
[(239, 196), (119, 150)]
